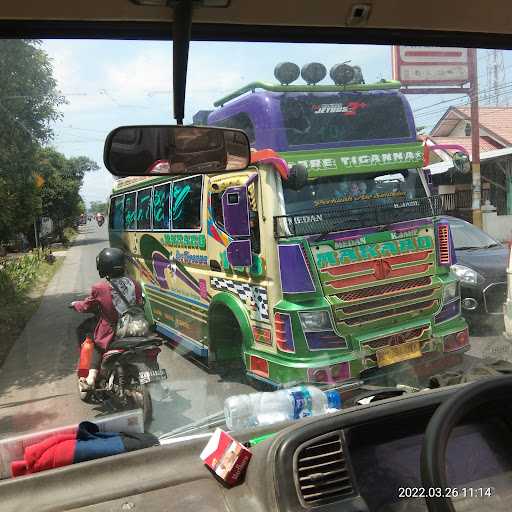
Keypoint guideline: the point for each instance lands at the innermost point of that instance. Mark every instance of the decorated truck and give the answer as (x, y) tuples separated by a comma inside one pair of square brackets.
[(325, 258)]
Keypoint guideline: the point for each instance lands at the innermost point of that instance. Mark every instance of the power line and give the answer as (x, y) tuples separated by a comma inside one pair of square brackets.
[(483, 94), (480, 75)]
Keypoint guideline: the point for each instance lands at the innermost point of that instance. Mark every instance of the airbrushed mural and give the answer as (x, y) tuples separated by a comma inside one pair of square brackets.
[(177, 298)]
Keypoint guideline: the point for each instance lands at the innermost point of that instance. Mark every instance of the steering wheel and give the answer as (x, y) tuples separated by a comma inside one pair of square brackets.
[(437, 434)]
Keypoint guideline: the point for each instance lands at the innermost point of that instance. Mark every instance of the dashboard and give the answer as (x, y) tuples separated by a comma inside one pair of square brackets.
[(387, 471), (358, 459)]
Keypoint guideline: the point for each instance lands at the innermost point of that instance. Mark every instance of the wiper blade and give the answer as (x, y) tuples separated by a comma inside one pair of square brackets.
[(209, 422), (469, 247)]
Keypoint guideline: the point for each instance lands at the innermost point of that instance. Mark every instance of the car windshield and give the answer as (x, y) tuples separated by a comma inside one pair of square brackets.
[(326, 263), (467, 236)]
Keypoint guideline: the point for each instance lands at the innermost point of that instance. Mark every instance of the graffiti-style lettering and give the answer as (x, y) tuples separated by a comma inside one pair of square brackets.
[(406, 245), (179, 195), (326, 259), (347, 255), (388, 249), (185, 241), (424, 242), (368, 252)]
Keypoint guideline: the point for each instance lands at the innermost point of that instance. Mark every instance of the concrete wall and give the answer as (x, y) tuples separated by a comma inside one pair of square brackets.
[(498, 226)]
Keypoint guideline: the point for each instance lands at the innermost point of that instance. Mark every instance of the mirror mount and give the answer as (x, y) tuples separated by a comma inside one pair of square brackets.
[(181, 32)]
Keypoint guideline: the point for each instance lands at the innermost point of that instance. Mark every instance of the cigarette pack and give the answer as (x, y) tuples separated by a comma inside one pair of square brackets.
[(226, 457)]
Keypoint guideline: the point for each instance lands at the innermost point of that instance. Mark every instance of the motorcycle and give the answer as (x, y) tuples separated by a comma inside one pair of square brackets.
[(129, 368), (100, 221)]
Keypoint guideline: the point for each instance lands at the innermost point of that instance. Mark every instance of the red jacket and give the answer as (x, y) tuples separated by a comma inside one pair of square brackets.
[(101, 300)]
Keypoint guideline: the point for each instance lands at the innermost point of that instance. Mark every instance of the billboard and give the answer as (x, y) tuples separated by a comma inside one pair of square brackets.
[(430, 65)]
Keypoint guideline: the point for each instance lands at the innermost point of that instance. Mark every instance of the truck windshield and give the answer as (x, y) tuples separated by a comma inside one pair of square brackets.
[(325, 118), (356, 191)]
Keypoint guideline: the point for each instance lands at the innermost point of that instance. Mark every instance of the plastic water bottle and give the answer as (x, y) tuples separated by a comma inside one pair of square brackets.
[(258, 409)]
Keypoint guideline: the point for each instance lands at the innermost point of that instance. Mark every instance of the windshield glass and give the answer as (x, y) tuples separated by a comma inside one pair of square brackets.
[(356, 191), (328, 262), (467, 236), (314, 118)]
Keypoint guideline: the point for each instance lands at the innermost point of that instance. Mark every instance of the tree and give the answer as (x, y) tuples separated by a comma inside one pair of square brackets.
[(29, 103), (60, 193), (98, 206)]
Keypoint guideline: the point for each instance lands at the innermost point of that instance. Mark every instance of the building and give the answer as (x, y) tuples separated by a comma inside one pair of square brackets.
[(454, 127)]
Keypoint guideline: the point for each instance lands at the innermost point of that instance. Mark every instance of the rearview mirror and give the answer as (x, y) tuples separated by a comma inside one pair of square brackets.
[(163, 150), (461, 162)]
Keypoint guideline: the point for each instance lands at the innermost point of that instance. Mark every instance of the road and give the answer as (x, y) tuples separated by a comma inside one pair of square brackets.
[(38, 388)]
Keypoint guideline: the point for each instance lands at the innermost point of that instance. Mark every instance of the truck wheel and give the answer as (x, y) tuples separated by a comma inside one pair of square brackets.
[(226, 343)]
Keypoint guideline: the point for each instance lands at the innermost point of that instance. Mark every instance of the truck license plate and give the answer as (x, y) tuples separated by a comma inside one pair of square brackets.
[(402, 352), (152, 376)]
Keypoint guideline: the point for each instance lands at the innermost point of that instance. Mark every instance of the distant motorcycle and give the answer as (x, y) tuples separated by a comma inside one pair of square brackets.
[(128, 368), (100, 221)]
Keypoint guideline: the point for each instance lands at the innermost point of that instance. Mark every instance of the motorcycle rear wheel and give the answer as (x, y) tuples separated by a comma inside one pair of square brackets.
[(142, 399)]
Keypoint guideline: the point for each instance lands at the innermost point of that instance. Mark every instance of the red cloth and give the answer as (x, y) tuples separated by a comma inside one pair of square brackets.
[(54, 452), (101, 298)]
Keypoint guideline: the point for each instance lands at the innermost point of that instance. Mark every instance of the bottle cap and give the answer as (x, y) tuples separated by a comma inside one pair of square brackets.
[(333, 399)]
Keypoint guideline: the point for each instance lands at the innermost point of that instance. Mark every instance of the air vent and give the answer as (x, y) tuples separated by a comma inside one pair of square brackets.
[(321, 471)]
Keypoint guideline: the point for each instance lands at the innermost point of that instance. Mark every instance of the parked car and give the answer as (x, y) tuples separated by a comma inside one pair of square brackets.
[(482, 271)]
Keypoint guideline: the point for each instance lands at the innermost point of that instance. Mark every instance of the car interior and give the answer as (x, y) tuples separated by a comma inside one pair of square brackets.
[(382, 456)]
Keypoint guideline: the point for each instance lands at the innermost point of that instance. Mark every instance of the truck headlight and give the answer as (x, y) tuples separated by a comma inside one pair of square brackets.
[(315, 320), (450, 291), (466, 274)]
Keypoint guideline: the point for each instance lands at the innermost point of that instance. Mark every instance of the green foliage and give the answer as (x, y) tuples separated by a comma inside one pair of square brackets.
[(29, 105), (98, 207), (69, 235), (17, 274), (60, 193)]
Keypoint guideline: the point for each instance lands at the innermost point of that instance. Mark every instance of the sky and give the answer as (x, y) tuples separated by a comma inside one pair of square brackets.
[(113, 83)]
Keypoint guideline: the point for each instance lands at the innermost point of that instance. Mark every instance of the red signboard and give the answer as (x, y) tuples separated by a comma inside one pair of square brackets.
[(430, 65)]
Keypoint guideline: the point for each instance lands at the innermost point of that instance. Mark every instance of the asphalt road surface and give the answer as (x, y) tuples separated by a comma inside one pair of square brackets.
[(38, 387)]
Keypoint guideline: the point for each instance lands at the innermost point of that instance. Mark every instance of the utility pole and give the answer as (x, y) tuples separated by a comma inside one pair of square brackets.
[(496, 80), (475, 139), (36, 235)]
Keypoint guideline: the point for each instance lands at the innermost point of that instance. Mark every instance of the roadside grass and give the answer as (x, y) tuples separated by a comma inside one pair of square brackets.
[(69, 235), (19, 299)]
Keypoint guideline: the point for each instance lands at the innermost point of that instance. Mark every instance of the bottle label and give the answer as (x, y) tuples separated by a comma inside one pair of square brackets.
[(302, 403)]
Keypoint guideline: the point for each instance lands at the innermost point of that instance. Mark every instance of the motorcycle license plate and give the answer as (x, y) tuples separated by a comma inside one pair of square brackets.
[(152, 376)]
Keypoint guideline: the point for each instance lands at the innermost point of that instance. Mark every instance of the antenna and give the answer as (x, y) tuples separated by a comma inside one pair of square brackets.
[(496, 78)]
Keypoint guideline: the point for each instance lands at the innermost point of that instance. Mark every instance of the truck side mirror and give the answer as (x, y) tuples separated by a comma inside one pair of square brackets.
[(461, 162), (297, 178)]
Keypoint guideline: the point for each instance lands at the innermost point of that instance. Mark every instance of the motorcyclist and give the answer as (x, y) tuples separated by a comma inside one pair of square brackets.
[(104, 300)]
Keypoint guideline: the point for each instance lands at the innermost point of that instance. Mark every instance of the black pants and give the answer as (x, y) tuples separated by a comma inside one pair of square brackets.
[(86, 328)]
